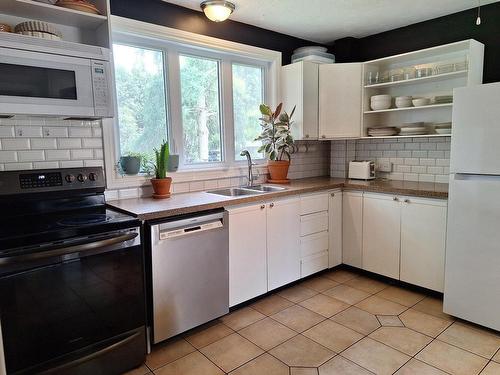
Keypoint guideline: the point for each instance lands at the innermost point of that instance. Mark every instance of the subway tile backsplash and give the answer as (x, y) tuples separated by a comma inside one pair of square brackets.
[(425, 159)]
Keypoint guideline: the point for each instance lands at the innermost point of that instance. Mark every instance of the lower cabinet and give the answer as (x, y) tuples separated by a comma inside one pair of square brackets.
[(423, 241), (247, 253), (352, 228), (381, 234)]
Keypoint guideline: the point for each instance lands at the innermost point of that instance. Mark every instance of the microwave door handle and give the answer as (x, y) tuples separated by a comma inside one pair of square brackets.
[(81, 248)]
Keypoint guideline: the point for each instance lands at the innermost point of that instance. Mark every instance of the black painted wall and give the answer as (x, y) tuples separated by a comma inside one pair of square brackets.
[(443, 30), (165, 14)]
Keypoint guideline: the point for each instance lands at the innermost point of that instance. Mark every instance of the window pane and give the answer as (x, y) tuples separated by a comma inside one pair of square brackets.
[(140, 88), (247, 96), (200, 109)]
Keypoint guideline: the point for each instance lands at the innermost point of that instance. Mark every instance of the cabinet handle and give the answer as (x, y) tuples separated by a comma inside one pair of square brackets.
[(323, 136), (407, 201), (332, 194), (395, 199), (306, 136), (271, 205), (262, 206)]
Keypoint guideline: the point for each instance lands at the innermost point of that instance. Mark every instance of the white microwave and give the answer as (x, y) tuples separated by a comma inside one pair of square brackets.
[(50, 78)]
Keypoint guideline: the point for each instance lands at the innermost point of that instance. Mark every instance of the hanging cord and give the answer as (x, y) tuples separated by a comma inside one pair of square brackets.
[(478, 19)]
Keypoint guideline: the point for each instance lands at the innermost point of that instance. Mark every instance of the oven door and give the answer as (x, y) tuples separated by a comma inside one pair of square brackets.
[(75, 309), (34, 83)]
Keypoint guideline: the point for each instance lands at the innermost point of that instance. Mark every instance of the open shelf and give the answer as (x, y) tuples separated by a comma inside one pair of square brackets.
[(430, 106), (408, 136), (433, 78), (51, 13)]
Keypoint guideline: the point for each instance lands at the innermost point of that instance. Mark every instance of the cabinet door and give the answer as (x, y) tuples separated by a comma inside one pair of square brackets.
[(340, 100), (335, 228), (283, 242), (299, 87), (381, 234), (247, 253), (423, 241), (352, 227)]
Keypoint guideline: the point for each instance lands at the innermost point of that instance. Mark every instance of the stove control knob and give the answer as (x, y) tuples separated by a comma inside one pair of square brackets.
[(69, 178), (92, 176), (81, 177)]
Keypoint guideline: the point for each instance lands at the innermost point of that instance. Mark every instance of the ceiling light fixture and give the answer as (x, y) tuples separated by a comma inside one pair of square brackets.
[(217, 10)]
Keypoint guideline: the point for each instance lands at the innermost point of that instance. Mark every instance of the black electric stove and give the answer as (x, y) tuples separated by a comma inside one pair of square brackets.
[(71, 276)]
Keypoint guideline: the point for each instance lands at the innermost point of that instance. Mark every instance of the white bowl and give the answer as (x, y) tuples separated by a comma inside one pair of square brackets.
[(378, 105), (419, 102), (381, 97), (403, 101)]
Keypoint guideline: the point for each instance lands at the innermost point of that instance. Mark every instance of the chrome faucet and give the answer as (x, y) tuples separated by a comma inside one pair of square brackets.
[(250, 164)]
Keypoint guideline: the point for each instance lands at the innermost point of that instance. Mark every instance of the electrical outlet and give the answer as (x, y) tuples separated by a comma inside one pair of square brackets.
[(385, 166)]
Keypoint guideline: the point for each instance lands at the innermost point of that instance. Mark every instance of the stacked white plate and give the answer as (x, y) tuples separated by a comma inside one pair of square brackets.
[(443, 128), (414, 128), (383, 131), (38, 29)]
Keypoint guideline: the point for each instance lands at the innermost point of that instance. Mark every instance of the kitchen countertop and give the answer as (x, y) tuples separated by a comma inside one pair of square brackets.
[(150, 209)]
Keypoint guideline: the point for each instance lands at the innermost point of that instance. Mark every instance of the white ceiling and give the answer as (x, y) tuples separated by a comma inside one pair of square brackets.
[(323, 21)]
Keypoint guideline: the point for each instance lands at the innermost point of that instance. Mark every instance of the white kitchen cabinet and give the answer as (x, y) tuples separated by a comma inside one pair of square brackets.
[(299, 87), (381, 234), (340, 100), (283, 242), (335, 228), (352, 228), (247, 253), (423, 237)]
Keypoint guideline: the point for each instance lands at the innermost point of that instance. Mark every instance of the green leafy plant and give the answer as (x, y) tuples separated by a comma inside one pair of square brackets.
[(276, 134), (161, 157)]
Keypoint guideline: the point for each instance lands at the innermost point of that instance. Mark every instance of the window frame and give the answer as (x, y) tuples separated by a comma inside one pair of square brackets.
[(173, 42)]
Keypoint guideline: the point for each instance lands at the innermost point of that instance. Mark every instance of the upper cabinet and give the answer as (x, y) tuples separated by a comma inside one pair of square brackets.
[(340, 100), (299, 87)]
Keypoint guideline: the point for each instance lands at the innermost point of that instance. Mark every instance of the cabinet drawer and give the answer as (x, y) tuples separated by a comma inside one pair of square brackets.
[(313, 203), (313, 264), (313, 243), (313, 223)]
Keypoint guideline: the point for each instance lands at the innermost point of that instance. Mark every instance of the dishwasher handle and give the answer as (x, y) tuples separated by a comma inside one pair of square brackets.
[(185, 227)]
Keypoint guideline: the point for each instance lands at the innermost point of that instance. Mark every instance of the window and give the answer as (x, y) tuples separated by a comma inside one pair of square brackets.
[(140, 91)]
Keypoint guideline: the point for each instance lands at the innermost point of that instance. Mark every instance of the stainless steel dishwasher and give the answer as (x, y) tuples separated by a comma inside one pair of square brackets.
[(190, 272)]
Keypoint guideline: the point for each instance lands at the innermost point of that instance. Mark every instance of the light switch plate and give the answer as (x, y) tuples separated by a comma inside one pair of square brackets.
[(385, 166)]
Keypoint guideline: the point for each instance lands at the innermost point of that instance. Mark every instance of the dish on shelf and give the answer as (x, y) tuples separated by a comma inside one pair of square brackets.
[(37, 26), (443, 131), (382, 131), (443, 99), (40, 34), (80, 5), (403, 101), (379, 102), (442, 125), (419, 102), (4, 28)]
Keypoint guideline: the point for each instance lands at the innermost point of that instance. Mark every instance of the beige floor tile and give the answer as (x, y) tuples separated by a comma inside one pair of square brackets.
[(297, 293), (390, 321), (341, 276), (168, 352), (242, 318), (192, 364), (451, 359), (302, 352), (367, 284), (319, 283), (416, 367), (347, 294), (402, 296), (267, 333), (324, 305), (381, 306), (376, 357), (493, 368), (141, 370), (231, 352), (403, 339), (496, 357), (271, 305), (303, 371), (264, 364), (341, 366), (424, 323), (332, 335), (432, 306), (358, 320), (208, 334), (473, 339), (298, 318)]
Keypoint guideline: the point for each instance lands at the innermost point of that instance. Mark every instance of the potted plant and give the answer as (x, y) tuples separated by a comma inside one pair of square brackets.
[(130, 163), (276, 141), (161, 183)]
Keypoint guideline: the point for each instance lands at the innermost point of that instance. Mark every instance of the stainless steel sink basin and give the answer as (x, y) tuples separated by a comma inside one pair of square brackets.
[(235, 192), (266, 188)]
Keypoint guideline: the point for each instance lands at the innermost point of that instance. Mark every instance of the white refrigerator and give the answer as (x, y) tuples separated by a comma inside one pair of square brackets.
[(472, 277)]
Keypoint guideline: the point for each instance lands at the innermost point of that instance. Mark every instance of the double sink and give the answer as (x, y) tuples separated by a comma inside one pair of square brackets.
[(247, 190)]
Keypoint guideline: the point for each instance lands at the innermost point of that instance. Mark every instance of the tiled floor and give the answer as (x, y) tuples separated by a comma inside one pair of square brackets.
[(336, 323)]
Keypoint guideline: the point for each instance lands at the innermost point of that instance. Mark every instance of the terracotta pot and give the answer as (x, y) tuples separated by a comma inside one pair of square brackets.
[(278, 169), (161, 187)]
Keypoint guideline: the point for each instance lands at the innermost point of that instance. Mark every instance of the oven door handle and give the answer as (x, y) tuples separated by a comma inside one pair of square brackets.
[(68, 250)]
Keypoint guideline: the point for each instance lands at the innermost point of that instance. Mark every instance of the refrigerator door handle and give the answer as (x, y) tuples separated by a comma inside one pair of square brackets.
[(475, 177)]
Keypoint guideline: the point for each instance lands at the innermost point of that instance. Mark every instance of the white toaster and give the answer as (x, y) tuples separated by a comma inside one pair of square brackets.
[(362, 170)]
